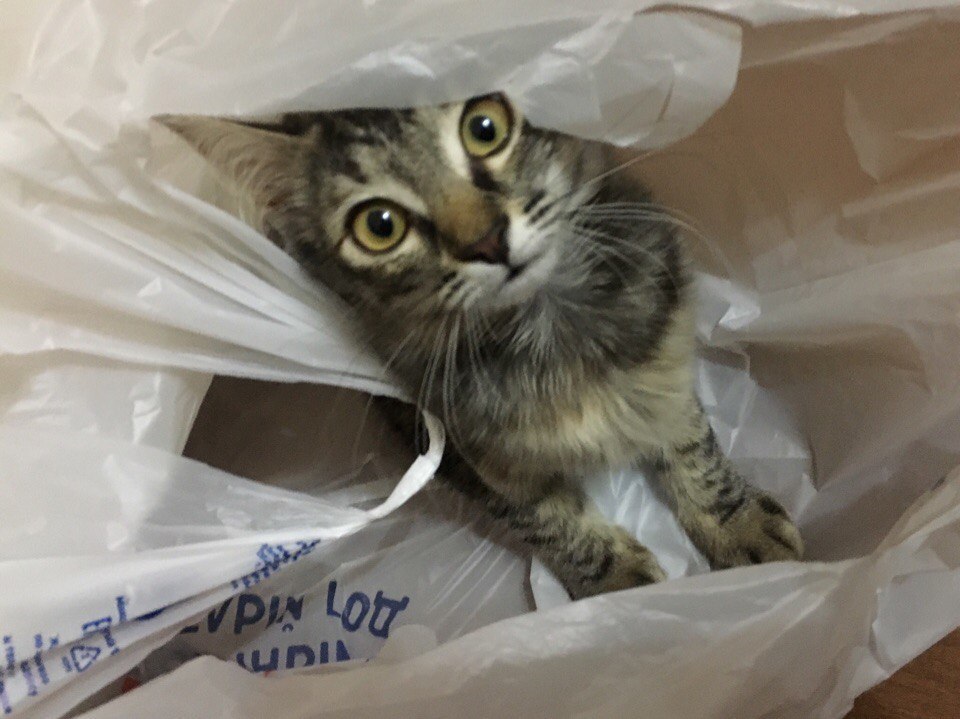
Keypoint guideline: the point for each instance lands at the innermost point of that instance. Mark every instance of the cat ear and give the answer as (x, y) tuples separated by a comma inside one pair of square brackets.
[(261, 165)]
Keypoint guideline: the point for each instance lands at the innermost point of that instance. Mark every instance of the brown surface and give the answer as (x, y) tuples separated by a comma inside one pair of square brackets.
[(927, 688)]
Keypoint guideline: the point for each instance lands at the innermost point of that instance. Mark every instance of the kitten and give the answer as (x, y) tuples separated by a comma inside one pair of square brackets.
[(523, 292)]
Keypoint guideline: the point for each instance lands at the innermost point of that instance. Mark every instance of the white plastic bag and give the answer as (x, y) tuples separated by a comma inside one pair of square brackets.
[(827, 185)]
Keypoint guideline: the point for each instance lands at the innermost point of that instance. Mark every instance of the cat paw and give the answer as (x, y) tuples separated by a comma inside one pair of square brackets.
[(626, 564), (758, 531)]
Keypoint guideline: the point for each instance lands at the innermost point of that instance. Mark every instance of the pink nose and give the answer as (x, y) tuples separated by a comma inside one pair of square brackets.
[(491, 247)]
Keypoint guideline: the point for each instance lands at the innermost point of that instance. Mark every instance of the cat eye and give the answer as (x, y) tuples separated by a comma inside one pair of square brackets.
[(485, 126), (378, 225)]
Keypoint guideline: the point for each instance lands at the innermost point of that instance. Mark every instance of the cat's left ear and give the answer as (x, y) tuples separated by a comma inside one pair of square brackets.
[(260, 164)]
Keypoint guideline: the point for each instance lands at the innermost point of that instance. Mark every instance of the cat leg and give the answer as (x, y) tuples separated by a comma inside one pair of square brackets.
[(729, 520), (552, 519), (588, 554)]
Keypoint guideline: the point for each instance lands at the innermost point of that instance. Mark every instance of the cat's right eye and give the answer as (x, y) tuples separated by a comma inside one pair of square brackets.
[(378, 225)]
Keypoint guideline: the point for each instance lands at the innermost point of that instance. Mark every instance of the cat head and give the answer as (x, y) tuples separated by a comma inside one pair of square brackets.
[(409, 213)]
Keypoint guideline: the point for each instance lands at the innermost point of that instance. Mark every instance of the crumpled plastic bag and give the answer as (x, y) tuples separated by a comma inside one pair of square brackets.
[(816, 163)]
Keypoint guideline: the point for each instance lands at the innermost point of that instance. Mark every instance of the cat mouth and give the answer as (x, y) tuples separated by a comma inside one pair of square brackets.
[(515, 271), (519, 282)]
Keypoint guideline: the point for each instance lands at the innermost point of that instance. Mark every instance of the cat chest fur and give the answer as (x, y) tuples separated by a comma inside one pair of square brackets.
[(586, 423)]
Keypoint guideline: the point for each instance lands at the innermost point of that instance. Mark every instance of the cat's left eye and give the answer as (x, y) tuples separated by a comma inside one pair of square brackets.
[(485, 126), (378, 225)]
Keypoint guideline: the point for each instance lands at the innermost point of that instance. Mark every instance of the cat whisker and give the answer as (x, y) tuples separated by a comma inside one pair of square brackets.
[(641, 211), (474, 343), (655, 212), (446, 384), (426, 384), (601, 258), (451, 289), (369, 403), (594, 182), (608, 242)]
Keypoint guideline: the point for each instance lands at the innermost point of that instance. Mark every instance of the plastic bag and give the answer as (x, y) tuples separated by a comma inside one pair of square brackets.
[(826, 183)]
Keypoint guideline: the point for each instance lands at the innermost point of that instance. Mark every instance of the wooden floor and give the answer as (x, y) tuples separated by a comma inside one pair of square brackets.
[(927, 688)]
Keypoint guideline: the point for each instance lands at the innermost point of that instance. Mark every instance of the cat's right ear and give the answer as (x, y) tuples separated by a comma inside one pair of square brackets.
[(261, 165)]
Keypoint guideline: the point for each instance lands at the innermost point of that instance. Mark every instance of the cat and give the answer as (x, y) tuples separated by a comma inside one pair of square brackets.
[(519, 288)]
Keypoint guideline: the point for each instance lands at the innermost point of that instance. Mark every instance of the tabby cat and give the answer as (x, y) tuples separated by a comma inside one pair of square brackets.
[(518, 287)]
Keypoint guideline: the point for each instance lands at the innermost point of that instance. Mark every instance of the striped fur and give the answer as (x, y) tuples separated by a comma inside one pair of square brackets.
[(569, 354)]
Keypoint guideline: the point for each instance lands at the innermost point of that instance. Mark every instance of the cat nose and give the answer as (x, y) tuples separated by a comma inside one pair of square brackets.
[(491, 247)]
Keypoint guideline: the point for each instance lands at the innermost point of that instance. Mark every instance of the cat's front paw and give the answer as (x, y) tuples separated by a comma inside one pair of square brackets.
[(627, 564), (760, 530)]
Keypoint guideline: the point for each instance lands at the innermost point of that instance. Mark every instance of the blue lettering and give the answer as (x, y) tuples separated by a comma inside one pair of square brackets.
[(243, 619), (101, 626), (295, 649), (357, 598), (121, 609), (273, 557), (342, 655), (393, 607), (270, 666), (150, 615), (38, 658), (215, 616), (331, 595), (94, 626), (83, 657), (4, 699), (11, 655), (274, 608), (294, 607), (270, 558), (28, 678)]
